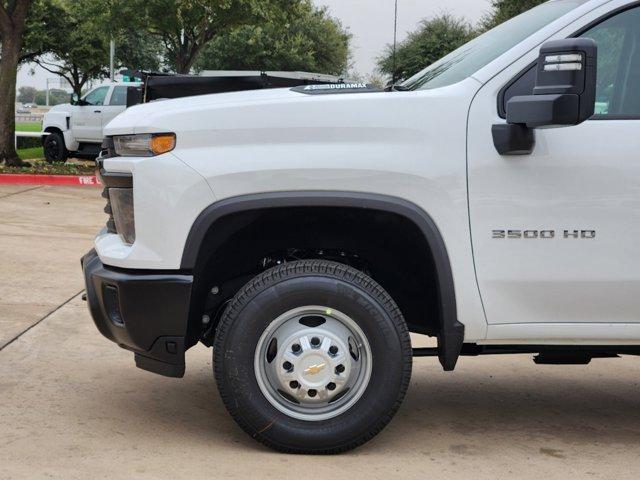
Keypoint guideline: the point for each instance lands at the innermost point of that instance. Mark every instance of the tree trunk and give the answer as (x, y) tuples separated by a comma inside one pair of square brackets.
[(76, 82), (182, 65), (8, 73), (185, 58), (12, 28)]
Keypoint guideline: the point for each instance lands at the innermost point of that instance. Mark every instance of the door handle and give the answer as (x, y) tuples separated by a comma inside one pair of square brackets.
[(97, 111)]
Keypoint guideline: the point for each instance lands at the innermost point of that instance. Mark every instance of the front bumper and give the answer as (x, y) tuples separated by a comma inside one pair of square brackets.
[(146, 313)]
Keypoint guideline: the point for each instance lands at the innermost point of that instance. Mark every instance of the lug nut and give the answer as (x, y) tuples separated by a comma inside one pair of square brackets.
[(295, 348), (333, 350), (340, 368), (312, 393), (287, 366), (315, 342), (331, 386), (294, 384)]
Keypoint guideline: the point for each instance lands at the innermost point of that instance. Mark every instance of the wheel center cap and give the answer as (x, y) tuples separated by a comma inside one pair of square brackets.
[(314, 368)]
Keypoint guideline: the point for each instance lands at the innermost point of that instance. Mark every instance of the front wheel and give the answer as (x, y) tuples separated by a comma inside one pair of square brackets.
[(55, 151), (312, 357)]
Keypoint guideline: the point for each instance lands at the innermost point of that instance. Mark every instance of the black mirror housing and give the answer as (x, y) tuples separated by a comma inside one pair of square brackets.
[(565, 90), (512, 139), (544, 110), (564, 94)]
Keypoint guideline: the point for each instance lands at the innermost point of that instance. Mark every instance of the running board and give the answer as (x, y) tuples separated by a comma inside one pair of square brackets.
[(545, 354)]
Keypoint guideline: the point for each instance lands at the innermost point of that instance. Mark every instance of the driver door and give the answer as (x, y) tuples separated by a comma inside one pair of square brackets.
[(117, 104), (87, 118), (555, 233)]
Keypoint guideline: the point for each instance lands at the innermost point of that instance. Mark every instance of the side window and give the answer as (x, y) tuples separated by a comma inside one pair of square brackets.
[(618, 88), (97, 96), (118, 96), (618, 78)]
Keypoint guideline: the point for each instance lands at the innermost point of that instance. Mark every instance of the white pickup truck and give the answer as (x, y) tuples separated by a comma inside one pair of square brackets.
[(76, 128), (492, 201)]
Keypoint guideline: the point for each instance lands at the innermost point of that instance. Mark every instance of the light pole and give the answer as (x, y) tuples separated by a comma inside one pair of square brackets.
[(112, 54), (395, 41)]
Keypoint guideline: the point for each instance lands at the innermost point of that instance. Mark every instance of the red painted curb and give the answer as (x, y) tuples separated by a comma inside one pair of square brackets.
[(25, 179)]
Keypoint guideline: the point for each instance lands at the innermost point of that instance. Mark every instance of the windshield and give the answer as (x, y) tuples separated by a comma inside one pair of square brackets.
[(482, 50)]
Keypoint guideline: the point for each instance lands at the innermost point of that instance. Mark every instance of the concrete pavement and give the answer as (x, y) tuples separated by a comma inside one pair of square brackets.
[(43, 231), (73, 405)]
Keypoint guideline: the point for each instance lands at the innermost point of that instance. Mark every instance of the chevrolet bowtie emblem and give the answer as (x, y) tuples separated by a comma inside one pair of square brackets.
[(313, 369)]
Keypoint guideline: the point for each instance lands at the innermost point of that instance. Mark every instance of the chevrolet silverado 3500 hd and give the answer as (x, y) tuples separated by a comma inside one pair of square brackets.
[(491, 201)]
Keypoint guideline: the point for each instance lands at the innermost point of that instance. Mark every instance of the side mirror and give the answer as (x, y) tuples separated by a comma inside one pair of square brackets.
[(564, 94), (565, 91), (74, 99)]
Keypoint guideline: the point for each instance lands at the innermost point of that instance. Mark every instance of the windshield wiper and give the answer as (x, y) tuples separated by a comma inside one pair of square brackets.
[(399, 88)]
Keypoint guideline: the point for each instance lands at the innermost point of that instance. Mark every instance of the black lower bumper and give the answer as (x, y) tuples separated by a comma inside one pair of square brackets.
[(146, 313)]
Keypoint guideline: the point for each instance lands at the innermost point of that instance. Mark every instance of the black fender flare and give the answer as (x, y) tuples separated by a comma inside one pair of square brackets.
[(451, 335)]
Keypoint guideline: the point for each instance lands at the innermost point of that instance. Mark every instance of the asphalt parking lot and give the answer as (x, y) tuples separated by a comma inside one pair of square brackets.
[(73, 405)]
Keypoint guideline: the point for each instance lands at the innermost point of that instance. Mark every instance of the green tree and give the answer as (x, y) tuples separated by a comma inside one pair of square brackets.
[(80, 50), (123, 21), (185, 27), (27, 94), (137, 49), (434, 39), (79, 55), (503, 10), (56, 97), (301, 37)]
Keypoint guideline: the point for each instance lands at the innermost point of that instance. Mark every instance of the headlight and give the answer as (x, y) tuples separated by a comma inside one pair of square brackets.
[(144, 144)]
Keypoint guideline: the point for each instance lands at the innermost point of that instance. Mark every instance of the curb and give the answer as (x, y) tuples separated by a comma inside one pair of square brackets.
[(68, 180)]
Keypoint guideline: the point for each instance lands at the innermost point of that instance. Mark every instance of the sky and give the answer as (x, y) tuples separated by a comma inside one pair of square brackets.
[(369, 21)]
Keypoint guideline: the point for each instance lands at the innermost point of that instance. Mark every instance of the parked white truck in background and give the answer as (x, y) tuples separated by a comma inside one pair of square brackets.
[(77, 128), (305, 232)]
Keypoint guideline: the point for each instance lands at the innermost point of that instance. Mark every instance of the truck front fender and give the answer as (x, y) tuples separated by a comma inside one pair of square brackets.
[(57, 121), (451, 331), (60, 121)]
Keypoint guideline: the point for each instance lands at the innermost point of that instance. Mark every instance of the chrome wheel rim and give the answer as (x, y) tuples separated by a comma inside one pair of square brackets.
[(313, 363)]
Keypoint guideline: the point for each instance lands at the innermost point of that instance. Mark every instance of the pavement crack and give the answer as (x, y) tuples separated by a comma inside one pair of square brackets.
[(38, 322), (21, 191)]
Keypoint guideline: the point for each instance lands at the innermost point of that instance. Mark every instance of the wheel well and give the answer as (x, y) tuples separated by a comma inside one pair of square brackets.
[(388, 246), (51, 130)]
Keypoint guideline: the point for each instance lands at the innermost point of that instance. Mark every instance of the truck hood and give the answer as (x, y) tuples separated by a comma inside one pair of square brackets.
[(155, 116), (284, 122)]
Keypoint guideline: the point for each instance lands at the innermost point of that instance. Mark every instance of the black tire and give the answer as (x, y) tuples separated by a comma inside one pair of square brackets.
[(292, 285), (55, 151)]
